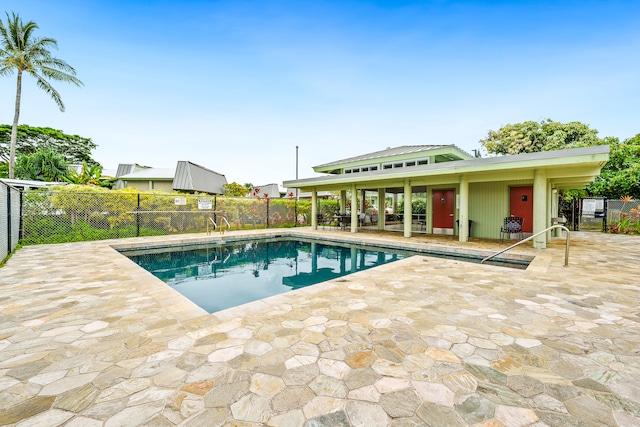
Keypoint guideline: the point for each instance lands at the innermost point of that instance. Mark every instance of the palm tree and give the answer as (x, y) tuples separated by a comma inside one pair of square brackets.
[(22, 52)]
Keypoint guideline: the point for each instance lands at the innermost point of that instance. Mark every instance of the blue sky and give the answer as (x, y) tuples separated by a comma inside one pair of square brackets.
[(235, 86)]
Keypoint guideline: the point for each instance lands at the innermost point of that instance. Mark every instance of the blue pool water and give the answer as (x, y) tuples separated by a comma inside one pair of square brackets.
[(220, 276)]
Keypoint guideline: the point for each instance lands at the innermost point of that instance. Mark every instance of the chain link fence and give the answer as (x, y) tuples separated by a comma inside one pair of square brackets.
[(622, 216), (9, 219), (55, 216)]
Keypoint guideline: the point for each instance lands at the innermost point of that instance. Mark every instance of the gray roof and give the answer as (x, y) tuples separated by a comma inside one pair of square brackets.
[(272, 190), (403, 149), (128, 168), (192, 177), (465, 166)]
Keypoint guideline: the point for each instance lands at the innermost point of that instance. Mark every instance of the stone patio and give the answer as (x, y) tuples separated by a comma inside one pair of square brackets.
[(87, 338)]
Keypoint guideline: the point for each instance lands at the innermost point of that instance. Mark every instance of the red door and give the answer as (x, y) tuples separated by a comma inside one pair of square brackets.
[(521, 204), (443, 209)]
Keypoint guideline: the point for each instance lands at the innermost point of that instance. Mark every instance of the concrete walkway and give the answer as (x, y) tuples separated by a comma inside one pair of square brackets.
[(89, 339)]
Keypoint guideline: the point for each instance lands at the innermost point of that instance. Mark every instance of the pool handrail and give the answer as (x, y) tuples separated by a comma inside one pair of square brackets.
[(566, 251)]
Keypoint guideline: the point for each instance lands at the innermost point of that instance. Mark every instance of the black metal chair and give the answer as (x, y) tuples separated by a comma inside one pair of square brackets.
[(345, 222), (512, 225)]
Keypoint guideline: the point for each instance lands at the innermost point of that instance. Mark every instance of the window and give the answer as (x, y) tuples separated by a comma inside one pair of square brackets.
[(412, 163), (423, 162), (387, 166)]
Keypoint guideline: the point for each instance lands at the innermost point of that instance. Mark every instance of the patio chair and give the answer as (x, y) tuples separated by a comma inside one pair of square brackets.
[(345, 222), (512, 225)]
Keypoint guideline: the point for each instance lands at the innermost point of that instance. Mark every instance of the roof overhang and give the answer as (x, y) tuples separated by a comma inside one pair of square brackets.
[(570, 168)]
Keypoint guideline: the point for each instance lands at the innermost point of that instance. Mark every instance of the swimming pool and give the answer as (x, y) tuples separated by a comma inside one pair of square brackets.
[(217, 276)]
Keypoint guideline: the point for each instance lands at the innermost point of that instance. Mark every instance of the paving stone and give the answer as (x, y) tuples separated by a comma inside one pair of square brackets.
[(525, 385), (252, 408), (357, 378), (434, 415), (77, 399), (516, 417), (589, 410), (26, 409), (324, 385), (226, 394), (555, 419), (366, 414), (293, 397), (85, 422), (266, 385), (434, 393), (48, 418), (475, 409), (300, 375), (334, 419), (290, 419), (403, 403), (102, 411), (67, 383)]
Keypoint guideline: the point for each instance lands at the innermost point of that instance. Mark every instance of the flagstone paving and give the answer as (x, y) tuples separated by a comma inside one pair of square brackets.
[(89, 339)]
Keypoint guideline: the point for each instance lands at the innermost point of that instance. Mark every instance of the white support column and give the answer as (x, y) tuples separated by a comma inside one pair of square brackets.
[(554, 209), (463, 210), (540, 199), (407, 208), (314, 209), (354, 209), (381, 209)]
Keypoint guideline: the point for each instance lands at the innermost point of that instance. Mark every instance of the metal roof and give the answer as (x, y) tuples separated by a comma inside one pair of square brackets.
[(403, 149), (272, 190), (192, 177), (561, 159)]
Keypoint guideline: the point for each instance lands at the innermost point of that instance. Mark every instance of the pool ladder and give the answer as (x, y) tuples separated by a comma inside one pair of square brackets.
[(566, 250), (215, 226)]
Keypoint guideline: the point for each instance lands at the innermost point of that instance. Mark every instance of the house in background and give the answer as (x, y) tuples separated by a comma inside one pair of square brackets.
[(458, 190), (187, 176), (271, 191)]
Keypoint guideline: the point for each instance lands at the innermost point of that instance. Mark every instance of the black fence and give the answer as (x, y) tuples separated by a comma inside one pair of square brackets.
[(601, 214), (10, 202), (55, 216)]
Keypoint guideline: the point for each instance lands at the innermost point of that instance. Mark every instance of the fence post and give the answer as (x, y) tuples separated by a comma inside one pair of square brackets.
[(138, 217), (8, 219), (267, 212), (606, 215), (20, 223)]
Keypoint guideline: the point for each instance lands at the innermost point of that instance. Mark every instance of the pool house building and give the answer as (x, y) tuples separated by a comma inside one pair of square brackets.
[(464, 195)]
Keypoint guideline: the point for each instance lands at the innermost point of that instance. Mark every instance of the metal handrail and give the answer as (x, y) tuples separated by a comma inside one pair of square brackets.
[(215, 226), (566, 251)]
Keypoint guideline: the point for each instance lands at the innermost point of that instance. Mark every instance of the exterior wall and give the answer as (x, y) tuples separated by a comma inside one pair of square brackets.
[(163, 186), (138, 185), (150, 185), (488, 205)]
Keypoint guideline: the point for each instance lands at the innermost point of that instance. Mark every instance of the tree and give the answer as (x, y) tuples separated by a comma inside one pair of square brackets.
[(20, 52), (546, 135), (74, 148), (620, 176), (235, 190), (44, 165), (88, 175)]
